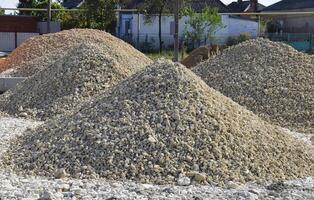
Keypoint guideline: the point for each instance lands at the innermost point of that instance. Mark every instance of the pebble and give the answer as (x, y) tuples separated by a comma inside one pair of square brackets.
[(184, 181)]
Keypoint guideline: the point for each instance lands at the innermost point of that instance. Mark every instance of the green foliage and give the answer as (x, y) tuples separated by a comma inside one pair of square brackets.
[(203, 24), (100, 13), (2, 11), (40, 4), (238, 39), (43, 15), (27, 4)]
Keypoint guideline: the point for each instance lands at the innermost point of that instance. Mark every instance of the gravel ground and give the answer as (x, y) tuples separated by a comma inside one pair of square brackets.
[(13, 186)]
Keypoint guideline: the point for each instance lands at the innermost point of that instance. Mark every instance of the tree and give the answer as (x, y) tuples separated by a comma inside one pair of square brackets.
[(27, 4), (151, 7), (207, 21), (100, 13), (43, 15), (2, 11)]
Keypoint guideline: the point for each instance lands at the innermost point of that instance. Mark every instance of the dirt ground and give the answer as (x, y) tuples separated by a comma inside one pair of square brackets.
[(2, 60)]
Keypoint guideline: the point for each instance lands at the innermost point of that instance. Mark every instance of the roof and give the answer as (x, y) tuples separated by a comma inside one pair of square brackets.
[(72, 3), (244, 6), (197, 5), (290, 5)]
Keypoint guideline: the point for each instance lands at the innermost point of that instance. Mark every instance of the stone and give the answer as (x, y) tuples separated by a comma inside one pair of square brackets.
[(184, 181), (60, 173)]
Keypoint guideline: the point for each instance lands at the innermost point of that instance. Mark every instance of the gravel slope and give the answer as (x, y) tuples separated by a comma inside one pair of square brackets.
[(39, 52), (162, 125), (271, 79), (85, 71), (13, 186)]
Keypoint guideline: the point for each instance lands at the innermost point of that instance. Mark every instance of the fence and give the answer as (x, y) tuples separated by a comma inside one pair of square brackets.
[(150, 42), (10, 40), (293, 28)]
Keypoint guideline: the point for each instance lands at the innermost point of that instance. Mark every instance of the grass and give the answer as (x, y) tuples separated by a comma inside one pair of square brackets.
[(165, 54)]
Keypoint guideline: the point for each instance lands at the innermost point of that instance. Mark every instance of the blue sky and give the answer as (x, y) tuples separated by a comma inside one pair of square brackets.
[(12, 3)]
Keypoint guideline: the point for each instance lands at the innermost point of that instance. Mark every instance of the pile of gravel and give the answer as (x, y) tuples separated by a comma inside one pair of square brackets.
[(162, 125), (40, 52), (87, 70), (271, 79)]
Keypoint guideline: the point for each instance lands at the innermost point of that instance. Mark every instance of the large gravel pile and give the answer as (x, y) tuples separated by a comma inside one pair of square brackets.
[(41, 51), (271, 79), (162, 125), (87, 70)]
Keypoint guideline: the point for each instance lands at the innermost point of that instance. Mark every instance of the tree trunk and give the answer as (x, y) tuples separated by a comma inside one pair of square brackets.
[(160, 35)]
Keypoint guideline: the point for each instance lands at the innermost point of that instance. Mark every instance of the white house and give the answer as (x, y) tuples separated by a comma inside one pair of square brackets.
[(138, 30)]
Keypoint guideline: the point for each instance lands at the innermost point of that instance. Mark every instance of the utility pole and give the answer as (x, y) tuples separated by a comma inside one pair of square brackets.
[(49, 17), (176, 30)]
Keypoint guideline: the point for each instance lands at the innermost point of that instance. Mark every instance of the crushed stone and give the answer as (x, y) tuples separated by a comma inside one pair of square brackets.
[(38, 52), (85, 71), (271, 79), (161, 124)]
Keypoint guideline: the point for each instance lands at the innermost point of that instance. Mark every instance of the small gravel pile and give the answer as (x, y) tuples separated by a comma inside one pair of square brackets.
[(200, 54), (87, 70), (162, 125), (271, 79), (39, 52)]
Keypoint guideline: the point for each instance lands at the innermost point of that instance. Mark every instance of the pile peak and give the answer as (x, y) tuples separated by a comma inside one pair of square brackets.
[(84, 71), (271, 79), (160, 124)]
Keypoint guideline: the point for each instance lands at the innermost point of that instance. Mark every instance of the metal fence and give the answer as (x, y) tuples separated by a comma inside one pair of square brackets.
[(10, 40)]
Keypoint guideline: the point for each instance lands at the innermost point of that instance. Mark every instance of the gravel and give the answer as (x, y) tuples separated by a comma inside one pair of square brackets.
[(40, 52), (162, 125), (87, 70), (13, 186), (271, 79)]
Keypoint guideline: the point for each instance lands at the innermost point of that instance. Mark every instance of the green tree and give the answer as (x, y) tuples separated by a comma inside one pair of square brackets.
[(201, 24), (27, 4), (100, 13), (2, 11), (43, 15)]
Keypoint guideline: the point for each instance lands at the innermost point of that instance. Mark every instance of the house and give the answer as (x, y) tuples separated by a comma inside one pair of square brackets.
[(292, 23), (291, 5), (72, 4), (141, 31), (296, 29), (245, 6)]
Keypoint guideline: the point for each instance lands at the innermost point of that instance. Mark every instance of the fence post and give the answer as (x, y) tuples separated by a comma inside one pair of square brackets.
[(15, 40), (138, 30), (176, 30)]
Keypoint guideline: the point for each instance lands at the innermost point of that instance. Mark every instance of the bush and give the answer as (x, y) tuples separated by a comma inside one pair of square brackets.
[(233, 40)]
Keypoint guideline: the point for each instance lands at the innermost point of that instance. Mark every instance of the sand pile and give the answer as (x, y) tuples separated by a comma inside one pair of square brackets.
[(41, 51), (162, 125), (271, 79), (200, 54), (87, 70)]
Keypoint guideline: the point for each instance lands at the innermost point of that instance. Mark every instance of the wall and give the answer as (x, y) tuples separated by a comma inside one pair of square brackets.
[(54, 27), (7, 40), (237, 26), (18, 24), (148, 30)]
